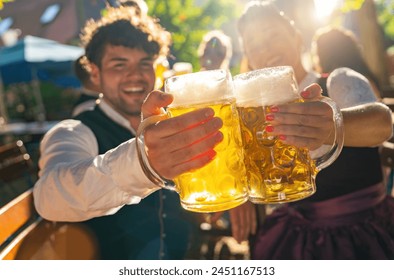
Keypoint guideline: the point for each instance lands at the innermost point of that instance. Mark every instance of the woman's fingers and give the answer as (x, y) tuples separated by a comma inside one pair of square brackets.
[(307, 124), (312, 92)]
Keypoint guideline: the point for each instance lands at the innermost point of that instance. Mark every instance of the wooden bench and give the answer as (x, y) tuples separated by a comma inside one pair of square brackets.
[(23, 233), (17, 219)]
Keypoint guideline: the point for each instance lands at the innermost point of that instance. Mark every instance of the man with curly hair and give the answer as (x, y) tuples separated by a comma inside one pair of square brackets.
[(89, 169)]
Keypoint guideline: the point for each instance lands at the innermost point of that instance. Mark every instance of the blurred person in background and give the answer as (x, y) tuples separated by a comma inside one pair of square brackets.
[(140, 6), (335, 47), (215, 51), (350, 216)]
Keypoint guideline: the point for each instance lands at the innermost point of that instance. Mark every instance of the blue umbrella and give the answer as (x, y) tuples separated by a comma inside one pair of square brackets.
[(38, 58), (34, 59)]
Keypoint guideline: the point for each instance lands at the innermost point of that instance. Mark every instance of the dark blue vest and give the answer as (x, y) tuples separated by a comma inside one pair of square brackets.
[(156, 228), (83, 97)]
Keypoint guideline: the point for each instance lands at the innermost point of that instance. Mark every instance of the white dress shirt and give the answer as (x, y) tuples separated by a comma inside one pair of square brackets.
[(76, 183)]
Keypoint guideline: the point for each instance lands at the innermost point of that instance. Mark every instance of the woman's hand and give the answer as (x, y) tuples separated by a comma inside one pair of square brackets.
[(307, 124)]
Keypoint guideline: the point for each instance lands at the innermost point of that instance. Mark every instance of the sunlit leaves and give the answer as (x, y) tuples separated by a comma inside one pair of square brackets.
[(189, 20), (351, 5), (4, 1), (385, 10)]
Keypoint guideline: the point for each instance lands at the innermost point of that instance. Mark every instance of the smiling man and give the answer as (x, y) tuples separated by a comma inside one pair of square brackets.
[(89, 169)]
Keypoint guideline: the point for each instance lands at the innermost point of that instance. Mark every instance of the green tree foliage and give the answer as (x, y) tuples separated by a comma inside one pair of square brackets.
[(189, 20), (4, 1), (385, 10)]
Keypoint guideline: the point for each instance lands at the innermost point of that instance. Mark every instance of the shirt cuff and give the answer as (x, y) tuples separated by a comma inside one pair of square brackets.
[(127, 174)]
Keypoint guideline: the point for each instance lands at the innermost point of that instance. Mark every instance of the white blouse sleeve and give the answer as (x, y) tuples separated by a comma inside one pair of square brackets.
[(76, 184), (349, 88)]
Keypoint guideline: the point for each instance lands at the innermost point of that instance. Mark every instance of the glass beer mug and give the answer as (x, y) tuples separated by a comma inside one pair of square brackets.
[(277, 172), (222, 183)]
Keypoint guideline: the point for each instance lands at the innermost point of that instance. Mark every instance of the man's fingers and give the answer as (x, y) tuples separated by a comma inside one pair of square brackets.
[(203, 119), (174, 140), (237, 224), (154, 102), (216, 216), (243, 221), (253, 218)]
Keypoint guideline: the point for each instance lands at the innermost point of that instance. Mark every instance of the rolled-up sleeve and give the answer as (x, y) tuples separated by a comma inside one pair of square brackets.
[(349, 88), (76, 183)]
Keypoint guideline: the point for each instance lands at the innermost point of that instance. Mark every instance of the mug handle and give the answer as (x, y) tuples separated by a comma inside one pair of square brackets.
[(149, 172), (322, 161)]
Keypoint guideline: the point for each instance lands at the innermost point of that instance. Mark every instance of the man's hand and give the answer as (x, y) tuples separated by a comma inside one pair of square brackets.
[(179, 144), (243, 221)]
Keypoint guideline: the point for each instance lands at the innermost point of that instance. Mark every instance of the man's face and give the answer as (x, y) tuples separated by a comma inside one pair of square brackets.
[(126, 77), (270, 43)]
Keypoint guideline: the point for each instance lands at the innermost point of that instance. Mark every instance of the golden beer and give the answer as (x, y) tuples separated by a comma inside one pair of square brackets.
[(276, 172), (222, 184), (161, 67)]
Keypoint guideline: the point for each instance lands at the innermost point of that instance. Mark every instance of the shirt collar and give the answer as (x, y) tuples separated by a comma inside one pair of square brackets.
[(309, 79), (115, 116), (90, 92)]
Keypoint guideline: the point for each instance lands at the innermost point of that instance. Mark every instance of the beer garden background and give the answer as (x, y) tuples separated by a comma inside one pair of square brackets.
[(188, 21)]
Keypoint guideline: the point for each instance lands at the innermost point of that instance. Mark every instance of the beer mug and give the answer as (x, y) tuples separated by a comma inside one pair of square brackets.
[(277, 172), (222, 183), (161, 66)]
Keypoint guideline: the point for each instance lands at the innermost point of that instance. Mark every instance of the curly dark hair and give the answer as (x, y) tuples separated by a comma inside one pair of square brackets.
[(80, 70), (124, 26)]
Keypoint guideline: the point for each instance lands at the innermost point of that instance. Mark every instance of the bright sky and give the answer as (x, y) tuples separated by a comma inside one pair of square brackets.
[(324, 8)]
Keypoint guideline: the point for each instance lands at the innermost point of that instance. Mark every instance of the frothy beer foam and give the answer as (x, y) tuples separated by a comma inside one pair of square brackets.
[(199, 87), (266, 87)]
